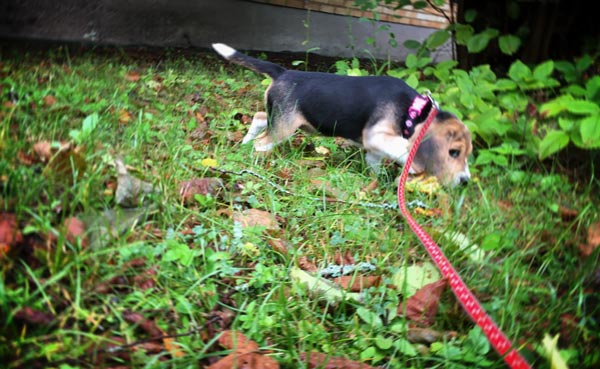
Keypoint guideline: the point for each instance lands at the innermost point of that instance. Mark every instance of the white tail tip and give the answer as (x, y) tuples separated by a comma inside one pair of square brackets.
[(224, 50)]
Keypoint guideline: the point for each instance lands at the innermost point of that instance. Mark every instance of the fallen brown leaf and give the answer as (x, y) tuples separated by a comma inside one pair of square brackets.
[(43, 149), (323, 361), (10, 234), (357, 283), (433, 212), (255, 217), (250, 360), (199, 186), (132, 76), (345, 259), (34, 317), (371, 186), (593, 236), (75, 229), (567, 214), (26, 159), (49, 100), (245, 353), (124, 116), (422, 306), (234, 340), (146, 325), (279, 245), (306, 265), (66, 163), (593, 240)]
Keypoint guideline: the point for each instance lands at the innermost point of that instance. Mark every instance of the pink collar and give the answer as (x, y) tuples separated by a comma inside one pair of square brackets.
[(417, 112)]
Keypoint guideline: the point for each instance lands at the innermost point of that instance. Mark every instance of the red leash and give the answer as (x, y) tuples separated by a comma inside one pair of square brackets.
[(469, 302)]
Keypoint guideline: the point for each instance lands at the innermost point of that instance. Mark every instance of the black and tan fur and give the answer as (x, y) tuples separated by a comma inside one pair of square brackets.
[(367, 110)]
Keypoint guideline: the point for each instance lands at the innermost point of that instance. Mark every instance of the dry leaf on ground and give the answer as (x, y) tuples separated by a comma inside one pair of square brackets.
[(199, 186), (10, 234), (49, 100), (357, 283), (255, 217), (593, 240), (233, 340), (34, 317), (124, 116), (345, 259), (65, 164), (133, 76), (422, 306), (371, 186), (75, 229), (245, 353), (153, 330), (323, 361), (306, 264), (279, 245)]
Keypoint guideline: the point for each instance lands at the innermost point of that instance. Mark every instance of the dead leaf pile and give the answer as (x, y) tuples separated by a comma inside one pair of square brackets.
[(319, 360), (245, 353)]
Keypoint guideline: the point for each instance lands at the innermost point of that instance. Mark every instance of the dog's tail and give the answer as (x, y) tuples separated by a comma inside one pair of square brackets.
[(271, 69)]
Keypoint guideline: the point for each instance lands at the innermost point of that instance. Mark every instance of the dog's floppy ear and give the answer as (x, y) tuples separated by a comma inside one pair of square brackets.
[(426, 155)]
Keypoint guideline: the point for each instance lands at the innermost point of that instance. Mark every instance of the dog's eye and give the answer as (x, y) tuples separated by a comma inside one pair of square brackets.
[(454, 153)]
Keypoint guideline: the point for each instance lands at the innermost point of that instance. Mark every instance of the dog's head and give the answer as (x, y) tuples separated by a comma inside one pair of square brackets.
[(444, 150)]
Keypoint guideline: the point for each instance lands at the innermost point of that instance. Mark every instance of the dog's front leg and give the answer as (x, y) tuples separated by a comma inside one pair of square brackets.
[(383, 143)]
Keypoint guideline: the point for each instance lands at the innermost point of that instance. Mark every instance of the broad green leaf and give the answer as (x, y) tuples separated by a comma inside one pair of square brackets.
[(437, 39), (556, 106), (566, 124), (405, 347), (491, 241), (412, 81), (543, 70), (592, 87), (584, 63), (552, 143), (412, 44), (470, 15), (509, 44), (420, 4), (89, 124), (463, 33), (576, 90), (504, 84), (590, 131), (411, 61), (383, 343), (583, 107), (369, 317), (478, 43), (518, 71)]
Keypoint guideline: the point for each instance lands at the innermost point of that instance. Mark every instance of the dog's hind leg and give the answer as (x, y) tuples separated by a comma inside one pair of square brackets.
[(281, 128), (258, 125), (373, 160)]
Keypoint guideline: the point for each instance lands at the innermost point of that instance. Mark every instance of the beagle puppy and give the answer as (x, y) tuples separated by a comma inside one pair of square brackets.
[(382, 114)]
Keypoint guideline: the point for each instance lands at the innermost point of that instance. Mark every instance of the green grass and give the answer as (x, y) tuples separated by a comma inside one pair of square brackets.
[(190, 269)]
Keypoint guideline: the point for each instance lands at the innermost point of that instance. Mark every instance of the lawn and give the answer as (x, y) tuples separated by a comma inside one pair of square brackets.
[(137, 231)]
